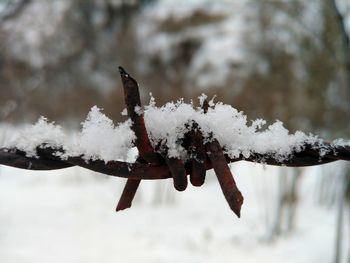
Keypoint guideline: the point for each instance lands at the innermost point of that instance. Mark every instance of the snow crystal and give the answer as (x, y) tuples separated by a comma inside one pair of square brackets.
[(202, 98), (167, 125), (341, 143), (35, 135), (138, 110), (211, 102), (100, 139)]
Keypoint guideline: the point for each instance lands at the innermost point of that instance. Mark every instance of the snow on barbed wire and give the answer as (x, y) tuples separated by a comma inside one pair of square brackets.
[(32, 136), (341, 143), (99, 138), (167, 125)]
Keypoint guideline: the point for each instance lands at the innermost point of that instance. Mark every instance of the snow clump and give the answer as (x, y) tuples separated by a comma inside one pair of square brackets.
[(168, 124)]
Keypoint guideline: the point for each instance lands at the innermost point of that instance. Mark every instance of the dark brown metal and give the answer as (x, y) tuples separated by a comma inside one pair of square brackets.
[(132, 100), (47, 160), (143, 144), (228, 185), (198, 153), (18, 159), (178, 172), (146, 151), (198, 157), (128, 194)]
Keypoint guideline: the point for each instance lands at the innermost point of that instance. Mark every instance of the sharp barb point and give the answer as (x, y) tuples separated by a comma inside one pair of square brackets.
[(238, 214), (122, 71), (121, 208)]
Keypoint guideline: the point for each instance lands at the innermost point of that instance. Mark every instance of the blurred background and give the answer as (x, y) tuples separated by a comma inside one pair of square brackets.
[(281, 59)]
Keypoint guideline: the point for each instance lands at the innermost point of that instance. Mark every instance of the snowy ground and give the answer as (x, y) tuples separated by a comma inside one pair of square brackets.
[(68, 216)]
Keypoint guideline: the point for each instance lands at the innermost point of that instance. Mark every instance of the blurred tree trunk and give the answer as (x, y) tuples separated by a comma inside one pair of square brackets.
[(344, 55), (340, 20), (344, 52), (339, 222), (292, 199), (347, 194), (287, 200)]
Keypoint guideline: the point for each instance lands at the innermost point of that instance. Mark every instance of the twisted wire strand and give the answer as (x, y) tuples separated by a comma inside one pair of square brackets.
[(47, 159)]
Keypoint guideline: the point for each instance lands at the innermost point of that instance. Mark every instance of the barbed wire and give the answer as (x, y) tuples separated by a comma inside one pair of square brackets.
[(153, 164)]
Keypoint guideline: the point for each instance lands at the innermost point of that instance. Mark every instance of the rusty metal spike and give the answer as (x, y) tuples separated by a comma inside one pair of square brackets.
[(143, 144), (198, 157), (228, 185)]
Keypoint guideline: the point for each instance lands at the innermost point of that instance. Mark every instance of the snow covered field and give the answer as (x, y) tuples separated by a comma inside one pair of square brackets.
[(68, 216)]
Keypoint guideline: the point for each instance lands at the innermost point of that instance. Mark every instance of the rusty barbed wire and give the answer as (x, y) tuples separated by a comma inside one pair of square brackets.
[(153, 164)]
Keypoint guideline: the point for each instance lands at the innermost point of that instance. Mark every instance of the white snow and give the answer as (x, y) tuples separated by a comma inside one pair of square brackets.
[(124, 112), (138, 110), (167, 126), (99, 138), (341, 142), (31, 137), (68, 216)]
